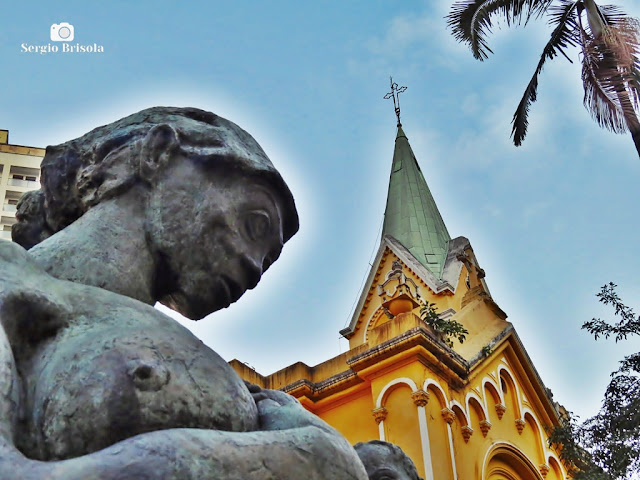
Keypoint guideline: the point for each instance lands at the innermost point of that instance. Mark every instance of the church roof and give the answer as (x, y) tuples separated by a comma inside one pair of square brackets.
[(411, 215)]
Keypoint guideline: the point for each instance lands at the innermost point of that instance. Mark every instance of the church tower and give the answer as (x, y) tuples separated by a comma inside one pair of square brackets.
[(411, 215), (475, 410)]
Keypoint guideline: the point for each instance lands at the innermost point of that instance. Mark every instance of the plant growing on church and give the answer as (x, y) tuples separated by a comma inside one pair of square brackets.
[(607, 446), (450, 329), (608, 39)]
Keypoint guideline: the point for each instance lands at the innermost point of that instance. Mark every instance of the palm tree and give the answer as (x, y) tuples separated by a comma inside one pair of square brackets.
[(609, 42)]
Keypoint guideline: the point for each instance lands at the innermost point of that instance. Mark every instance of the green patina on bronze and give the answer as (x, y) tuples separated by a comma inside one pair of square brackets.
[(411, 215)]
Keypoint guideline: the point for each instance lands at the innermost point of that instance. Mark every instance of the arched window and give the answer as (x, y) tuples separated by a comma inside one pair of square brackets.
[(506, 462)]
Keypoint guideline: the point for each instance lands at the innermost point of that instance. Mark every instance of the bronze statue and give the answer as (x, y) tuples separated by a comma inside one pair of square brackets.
[(386, 461), (175, 205)]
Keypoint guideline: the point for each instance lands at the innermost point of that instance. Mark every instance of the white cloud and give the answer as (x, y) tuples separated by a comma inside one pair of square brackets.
[(413, 38), (403, 32)]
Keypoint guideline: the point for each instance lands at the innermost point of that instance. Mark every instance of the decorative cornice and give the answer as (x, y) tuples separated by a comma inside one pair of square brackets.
[(500, 409), (520, 424), (485, 426), (404, 284), (325, 387), (416, 336), (446, 314), (493, 345), (441, 357), (467, 431), (534, 378), (448, 415), (544, 470), (22, 150), (420, 398), (379, 414)]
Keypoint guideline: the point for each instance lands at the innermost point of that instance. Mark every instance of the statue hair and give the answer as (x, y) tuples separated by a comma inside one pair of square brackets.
[(397, 454), (104, 163)]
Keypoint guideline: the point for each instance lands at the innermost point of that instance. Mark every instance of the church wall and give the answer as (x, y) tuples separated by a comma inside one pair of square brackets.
[(387, 329), (464, 460), (474, 407), (555, 471), (439, 445), (401, 425), (449, 423), (505, 467), (501, 428), (405, 400), (352, 418), (483, 326), (474, 410)]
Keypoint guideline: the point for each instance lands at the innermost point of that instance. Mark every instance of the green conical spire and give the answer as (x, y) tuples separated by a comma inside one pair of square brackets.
[(411, 215)]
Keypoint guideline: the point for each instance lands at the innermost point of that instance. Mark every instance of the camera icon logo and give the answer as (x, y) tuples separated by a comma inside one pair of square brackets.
[(62, 32)]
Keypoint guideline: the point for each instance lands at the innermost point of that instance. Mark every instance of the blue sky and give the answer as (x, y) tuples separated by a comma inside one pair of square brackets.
[(550, 222)]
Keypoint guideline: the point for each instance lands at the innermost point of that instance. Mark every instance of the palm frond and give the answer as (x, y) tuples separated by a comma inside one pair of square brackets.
[(471, 20), (610, 76), (612, 14), (623, 39), (564, 35), (565, 27), (600, 95)]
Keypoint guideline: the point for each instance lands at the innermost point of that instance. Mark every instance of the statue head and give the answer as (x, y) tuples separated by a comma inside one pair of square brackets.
[(216, 211), (386, 461)]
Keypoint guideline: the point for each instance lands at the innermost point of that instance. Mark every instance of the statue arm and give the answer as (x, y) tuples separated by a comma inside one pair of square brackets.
[(293, 444), (308, 452)]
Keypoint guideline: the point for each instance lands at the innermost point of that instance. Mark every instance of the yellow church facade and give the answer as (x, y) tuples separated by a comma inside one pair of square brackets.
[(475, 411)]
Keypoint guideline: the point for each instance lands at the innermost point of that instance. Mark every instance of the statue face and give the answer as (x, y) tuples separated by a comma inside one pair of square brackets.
[(381, 464), (213, 232)]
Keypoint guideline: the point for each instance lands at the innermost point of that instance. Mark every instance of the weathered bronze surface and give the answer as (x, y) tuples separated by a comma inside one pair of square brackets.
[(172, 205), (385, 461)]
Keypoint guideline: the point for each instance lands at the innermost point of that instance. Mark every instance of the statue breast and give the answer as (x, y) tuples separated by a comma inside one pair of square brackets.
[(120, 368)]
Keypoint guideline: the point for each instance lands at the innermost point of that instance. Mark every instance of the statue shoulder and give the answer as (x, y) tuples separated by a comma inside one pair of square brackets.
[(14, 259), (10, 251)]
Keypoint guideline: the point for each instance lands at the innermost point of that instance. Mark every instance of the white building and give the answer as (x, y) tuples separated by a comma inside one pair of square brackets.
[(19, 173)]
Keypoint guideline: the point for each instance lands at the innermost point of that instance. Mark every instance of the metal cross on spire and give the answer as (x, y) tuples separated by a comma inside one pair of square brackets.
[(394, 93)]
